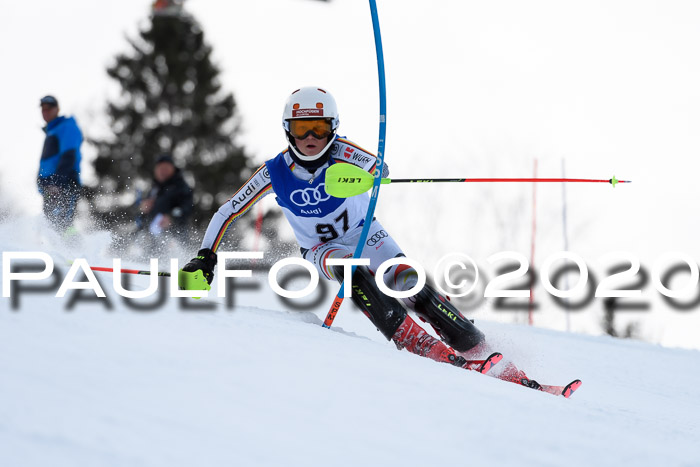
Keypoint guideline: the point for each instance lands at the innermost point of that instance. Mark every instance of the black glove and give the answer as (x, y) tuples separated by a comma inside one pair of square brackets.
[(204, 261)]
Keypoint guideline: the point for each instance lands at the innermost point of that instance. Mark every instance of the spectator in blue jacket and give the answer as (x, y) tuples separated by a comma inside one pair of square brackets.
[(59, 168)]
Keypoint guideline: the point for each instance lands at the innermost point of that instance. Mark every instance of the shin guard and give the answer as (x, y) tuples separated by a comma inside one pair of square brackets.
[(385, 312), (455, 329)]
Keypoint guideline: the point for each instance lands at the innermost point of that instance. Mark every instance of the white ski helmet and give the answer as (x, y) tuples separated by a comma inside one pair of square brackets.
[(310, 103)]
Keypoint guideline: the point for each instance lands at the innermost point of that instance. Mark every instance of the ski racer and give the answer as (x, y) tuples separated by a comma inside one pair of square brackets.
[(328, 227)]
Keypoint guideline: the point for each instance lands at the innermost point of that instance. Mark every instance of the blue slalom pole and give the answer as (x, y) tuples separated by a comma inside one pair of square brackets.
[(335, 306)]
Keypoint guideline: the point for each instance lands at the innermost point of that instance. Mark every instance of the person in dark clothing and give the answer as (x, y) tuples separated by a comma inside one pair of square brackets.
[(59, 168), (169, 205)]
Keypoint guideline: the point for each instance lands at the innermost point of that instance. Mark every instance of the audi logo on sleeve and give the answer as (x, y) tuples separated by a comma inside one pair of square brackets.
[(374, 239), (310, 196)]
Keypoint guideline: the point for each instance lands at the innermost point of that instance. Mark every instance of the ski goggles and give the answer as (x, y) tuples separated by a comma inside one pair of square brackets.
[(319, 127)]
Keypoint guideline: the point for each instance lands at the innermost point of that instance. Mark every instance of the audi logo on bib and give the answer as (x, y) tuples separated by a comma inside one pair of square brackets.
[(310, 196)]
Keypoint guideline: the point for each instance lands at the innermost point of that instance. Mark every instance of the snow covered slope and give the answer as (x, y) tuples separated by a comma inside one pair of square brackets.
[(91, 386)]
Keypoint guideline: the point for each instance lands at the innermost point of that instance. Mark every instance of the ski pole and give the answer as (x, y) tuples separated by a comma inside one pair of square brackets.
[(143, 273), (130, 271), (346, 180)]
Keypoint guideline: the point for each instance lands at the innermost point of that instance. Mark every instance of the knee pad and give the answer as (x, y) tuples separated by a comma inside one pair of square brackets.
[(385, 312)]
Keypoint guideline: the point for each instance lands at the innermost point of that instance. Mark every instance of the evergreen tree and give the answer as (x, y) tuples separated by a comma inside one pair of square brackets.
[(171, 101)]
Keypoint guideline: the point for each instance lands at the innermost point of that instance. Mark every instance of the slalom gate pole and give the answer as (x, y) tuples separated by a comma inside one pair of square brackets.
[(565, 232), (335, 306), (533, 238)]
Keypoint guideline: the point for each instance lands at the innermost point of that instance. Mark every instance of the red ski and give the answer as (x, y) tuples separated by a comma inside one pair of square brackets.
[(512, 374), (483, 366), (565, 391)]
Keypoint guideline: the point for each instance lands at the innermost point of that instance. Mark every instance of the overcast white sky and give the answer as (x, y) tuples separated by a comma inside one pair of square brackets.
[(474, 89)]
